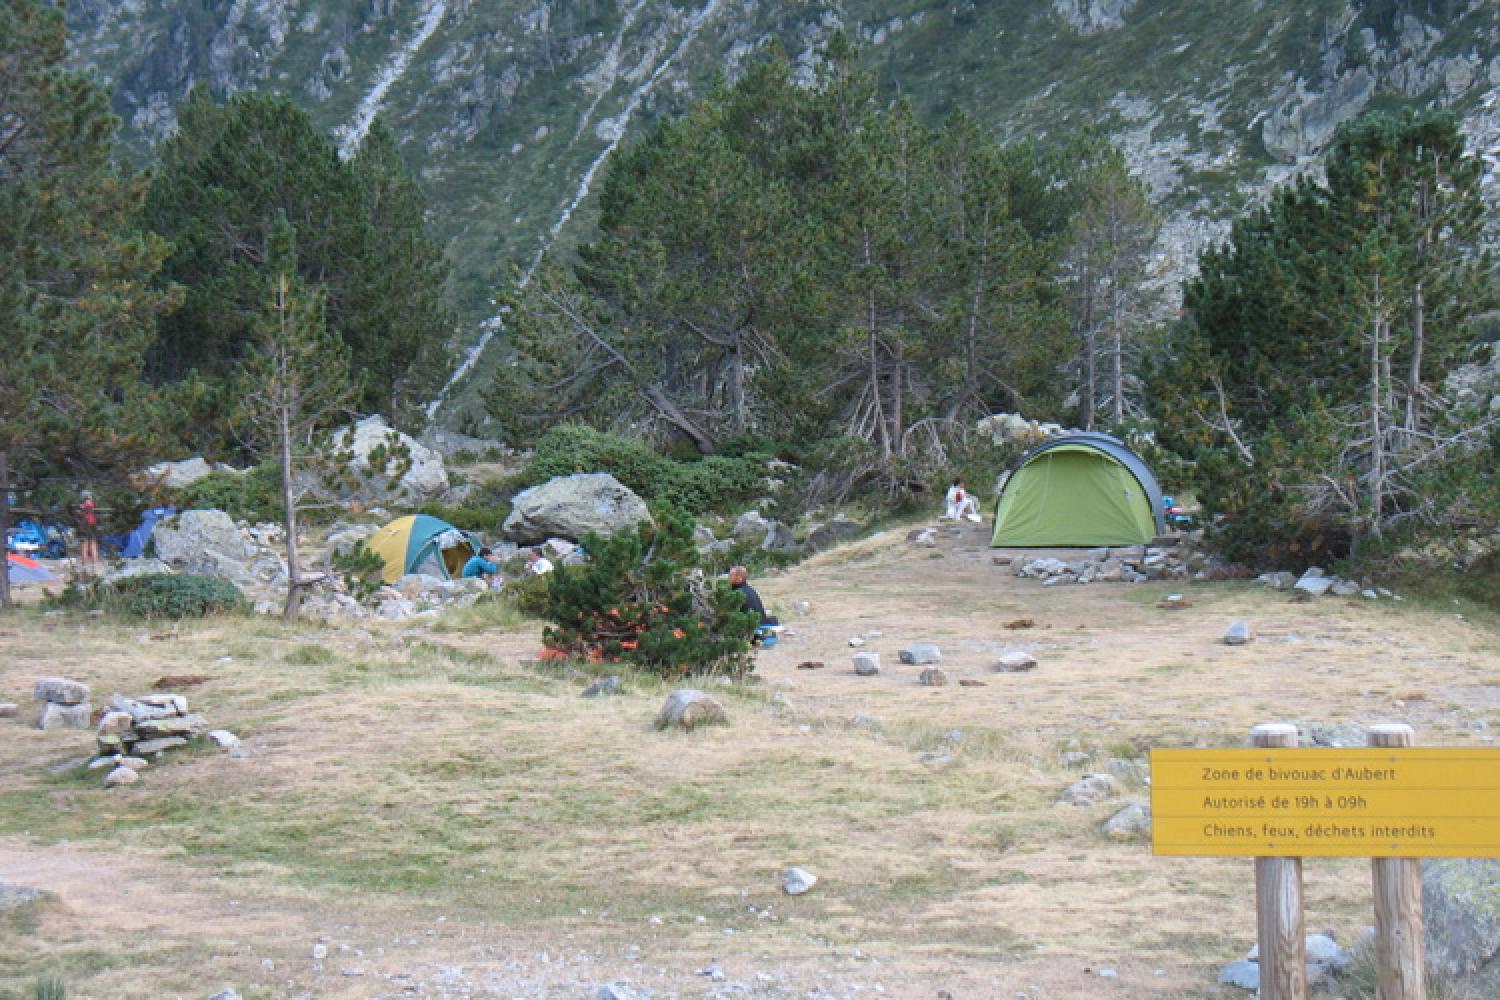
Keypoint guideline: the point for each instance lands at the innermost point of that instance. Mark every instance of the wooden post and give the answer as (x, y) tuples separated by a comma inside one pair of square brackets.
[(1278, 902), (1399, 944)]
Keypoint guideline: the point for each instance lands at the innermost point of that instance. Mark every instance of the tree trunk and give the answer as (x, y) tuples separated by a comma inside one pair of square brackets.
[(672, 414), (1414, 374), (5, 527), (1118, 352), (289, 517), (1086, 401), (1376, 479)]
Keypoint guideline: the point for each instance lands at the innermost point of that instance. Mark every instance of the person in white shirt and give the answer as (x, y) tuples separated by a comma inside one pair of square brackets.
[(537, 564), (961, 503)]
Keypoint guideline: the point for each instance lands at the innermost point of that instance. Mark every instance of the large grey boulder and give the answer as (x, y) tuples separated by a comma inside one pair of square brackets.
[(176, 475), (921, 653), (1461, 906), (198, 536), (56, 716), (831, 533), (572, 506), (751, 527), (389, 465)]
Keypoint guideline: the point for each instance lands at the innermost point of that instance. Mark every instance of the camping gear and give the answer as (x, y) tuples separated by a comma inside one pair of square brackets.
[(25, 570), (420, 543), (1082, 490), (132, 545), (33, 538)]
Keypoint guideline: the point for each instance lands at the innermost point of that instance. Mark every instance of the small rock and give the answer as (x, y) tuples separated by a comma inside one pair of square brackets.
[(933, 677), (688, 709), (224, 739), (919, 653), (1314, 582), (1075, 758), (604, 687), (869, 723), (810, 665), (1173, 602), (157, 746), (969, 682), (1108, 974), (856, 641), (1344, 588), (1089, 790), (1238, 634), (867, 664), (796, 881), (1245, 975), (9, 709), (621, 991), (120, 776), (1016, 661), (319, 952), (225, 995)]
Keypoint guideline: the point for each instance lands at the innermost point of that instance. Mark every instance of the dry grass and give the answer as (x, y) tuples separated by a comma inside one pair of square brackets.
[(399, 775)]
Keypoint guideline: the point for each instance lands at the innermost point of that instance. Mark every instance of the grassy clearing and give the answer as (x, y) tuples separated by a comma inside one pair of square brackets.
[(400, 774)]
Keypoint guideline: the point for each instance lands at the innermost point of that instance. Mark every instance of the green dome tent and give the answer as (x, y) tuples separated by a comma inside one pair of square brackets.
[(1080, 490)]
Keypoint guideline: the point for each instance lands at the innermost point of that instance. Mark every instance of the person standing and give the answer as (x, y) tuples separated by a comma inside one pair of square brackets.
[(88, 531)]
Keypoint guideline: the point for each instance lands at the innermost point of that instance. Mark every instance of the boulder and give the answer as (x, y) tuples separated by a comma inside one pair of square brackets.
[(796, 881), (121, 776), (920, 653), (1015, 661), (1238, 634), (933, 677), (604, 687), (779, 538), (688, 708), (1314, 582), (176, 475), (388, 463), (1461, 906), (1089, 790), (1277, 581), (831, 533), (571, 506), (751, 527), (1245, 975), (224, 739), (198, 538), (1133, 822), (56, 716), (867, 664), (61, 690)]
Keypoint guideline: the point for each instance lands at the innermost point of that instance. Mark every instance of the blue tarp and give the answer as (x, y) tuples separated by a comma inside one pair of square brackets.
[(132, 545)]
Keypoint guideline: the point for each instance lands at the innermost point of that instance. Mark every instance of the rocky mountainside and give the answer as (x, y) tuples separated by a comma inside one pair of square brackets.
[(508, 109)]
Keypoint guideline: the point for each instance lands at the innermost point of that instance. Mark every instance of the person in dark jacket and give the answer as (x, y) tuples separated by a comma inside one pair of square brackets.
[(739, 580)]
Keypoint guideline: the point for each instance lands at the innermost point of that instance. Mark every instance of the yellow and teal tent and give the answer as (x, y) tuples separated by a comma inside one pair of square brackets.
[(1082, 490), (420, 543)]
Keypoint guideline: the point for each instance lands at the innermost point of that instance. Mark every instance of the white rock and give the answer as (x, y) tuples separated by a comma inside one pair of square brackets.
[(796, 881)]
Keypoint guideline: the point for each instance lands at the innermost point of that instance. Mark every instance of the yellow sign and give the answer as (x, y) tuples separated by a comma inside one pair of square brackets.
[(1407, 802)]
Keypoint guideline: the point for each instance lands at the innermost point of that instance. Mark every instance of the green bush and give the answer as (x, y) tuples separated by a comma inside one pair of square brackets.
[(161, 595), (642, 598), (529, 595), (694, 485), (253, 496), (469, 517), (363, 571)]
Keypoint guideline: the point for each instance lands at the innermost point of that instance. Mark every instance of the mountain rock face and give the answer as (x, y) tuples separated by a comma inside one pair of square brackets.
[(509, 109)]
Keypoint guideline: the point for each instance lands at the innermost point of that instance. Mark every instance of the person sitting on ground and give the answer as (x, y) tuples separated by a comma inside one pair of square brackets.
[(537, 564), (739, 581), (961, 503), (480, 567)]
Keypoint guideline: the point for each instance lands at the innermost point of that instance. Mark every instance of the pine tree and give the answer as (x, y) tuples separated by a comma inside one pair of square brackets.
[(295, 379), (77, 307)]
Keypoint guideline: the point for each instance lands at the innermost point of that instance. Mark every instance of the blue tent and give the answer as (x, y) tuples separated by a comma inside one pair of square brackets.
[(132, 545)]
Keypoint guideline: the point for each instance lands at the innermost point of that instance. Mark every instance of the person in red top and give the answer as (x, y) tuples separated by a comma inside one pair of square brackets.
[(88, 531)]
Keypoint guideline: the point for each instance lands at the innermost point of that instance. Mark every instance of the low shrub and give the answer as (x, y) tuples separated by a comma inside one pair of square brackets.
[(363, 571), (483, 518), (692, 484), (529, 595), (253, 496), (160, 595)]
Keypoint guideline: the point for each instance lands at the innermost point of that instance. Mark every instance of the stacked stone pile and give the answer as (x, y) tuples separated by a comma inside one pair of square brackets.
[(146, 725), (1133, 564), (65, 703)]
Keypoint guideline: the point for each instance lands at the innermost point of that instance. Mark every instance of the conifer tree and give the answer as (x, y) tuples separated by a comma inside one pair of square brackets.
[(77, 306)]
